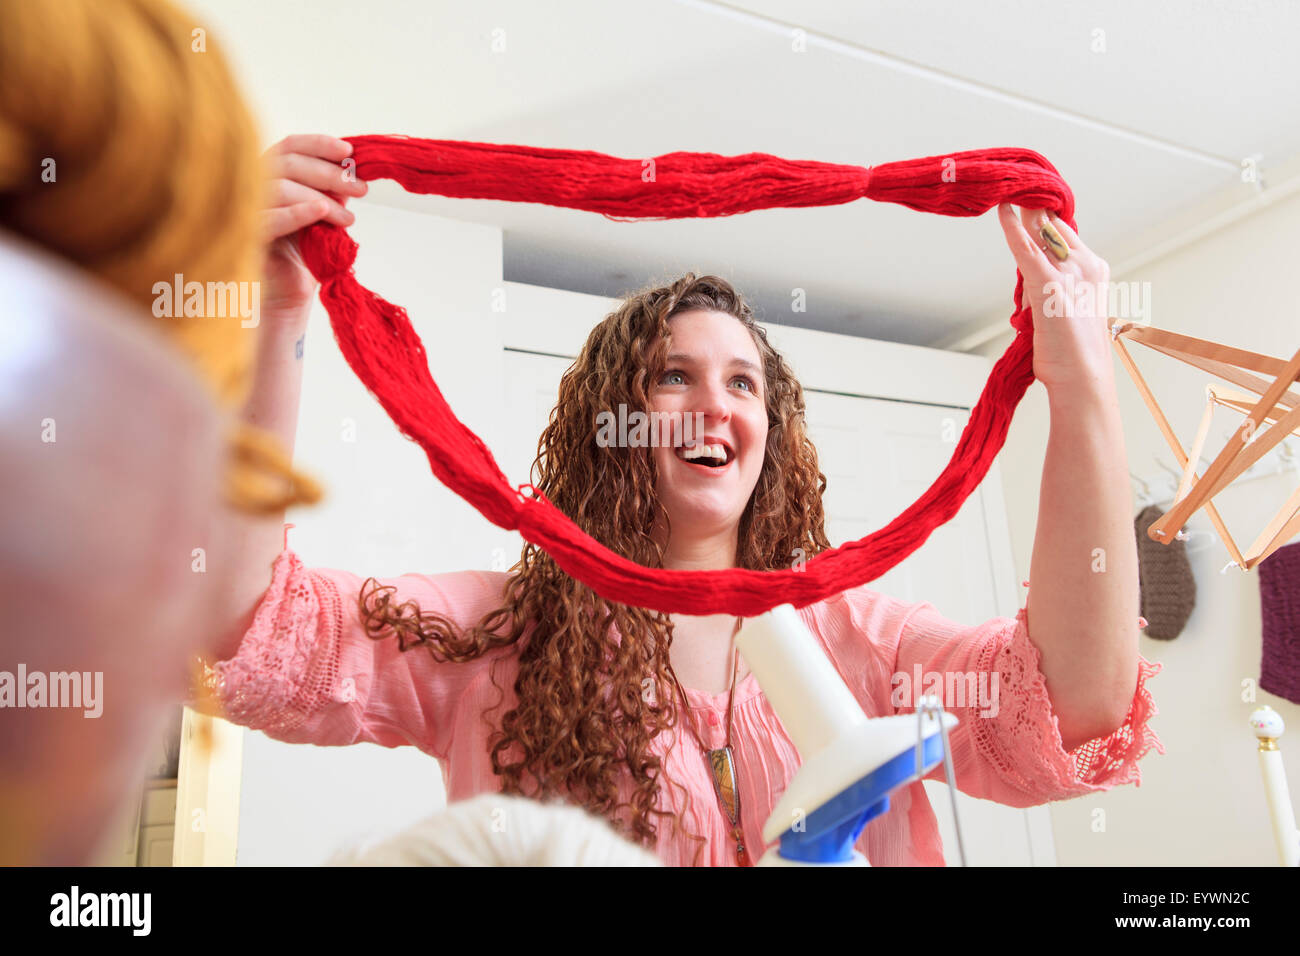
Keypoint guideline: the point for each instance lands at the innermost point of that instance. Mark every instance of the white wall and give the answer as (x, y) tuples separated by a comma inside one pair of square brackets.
[(1202, 802)]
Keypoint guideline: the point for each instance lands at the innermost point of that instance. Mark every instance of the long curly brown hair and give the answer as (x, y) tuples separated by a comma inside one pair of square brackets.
[(583, 715)]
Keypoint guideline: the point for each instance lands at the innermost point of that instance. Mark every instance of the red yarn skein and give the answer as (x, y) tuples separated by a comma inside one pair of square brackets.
[(379, 343)]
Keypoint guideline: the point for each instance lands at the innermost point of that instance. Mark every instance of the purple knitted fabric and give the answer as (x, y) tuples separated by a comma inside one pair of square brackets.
[(1279, 602)]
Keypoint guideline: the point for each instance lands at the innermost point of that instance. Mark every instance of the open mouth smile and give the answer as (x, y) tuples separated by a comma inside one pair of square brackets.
[(709, 455)]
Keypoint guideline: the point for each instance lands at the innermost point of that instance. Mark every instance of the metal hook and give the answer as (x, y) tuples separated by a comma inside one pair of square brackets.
[(1118, 328), (930, 704)]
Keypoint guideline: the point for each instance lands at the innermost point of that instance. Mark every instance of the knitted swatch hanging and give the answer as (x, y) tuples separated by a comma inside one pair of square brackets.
[(1279, 603), (378, 341), (1167, 585)]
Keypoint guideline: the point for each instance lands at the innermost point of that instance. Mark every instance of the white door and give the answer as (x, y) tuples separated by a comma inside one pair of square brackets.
[(878, 457)]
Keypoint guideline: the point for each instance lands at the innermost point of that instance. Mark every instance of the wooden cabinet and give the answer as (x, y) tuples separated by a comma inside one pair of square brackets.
[(143, 834), (157, 824)]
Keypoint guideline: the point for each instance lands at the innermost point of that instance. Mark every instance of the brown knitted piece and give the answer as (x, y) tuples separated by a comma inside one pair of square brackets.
[(1168, 586)]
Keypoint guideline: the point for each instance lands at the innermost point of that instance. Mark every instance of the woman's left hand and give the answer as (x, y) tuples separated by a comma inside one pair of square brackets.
[(1068, 299)]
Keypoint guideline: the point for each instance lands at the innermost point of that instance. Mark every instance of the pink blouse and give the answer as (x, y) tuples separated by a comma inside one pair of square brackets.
[(306, 672)]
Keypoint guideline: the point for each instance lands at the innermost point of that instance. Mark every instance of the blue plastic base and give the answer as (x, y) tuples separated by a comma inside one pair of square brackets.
[(828, 833)]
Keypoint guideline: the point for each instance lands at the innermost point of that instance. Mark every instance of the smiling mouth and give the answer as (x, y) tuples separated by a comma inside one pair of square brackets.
[(715, 454)]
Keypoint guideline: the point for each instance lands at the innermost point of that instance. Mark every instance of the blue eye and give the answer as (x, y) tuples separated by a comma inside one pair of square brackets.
[(669, 375)]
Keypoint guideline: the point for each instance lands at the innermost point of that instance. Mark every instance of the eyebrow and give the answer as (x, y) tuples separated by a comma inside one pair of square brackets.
[(736, 362)]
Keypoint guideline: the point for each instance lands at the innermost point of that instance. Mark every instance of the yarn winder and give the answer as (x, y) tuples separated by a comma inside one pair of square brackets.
[(851, 763)]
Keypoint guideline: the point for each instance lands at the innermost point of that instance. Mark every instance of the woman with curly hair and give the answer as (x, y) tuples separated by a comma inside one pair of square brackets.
[(528, 682)]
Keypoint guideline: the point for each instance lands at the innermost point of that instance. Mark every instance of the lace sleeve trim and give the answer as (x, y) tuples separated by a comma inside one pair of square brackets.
[(1023, 741), (286, 668)]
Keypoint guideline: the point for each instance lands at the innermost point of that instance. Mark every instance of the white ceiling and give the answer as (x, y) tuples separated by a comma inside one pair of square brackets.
[(1144, 130)]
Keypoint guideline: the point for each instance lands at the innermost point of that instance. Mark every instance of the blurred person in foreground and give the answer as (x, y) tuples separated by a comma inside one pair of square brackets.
[(118, 456)]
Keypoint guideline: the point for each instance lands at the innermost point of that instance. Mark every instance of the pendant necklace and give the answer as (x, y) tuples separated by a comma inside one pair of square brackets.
[(721, 760)]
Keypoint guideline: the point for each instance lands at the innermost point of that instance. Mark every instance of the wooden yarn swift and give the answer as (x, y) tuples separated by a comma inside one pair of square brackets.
[(1276, 404)]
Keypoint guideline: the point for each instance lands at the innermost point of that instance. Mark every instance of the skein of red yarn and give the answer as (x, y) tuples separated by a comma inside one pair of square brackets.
[(378, 341)]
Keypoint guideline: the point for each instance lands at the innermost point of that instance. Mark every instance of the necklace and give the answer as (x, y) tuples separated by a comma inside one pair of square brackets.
[(721, 760)]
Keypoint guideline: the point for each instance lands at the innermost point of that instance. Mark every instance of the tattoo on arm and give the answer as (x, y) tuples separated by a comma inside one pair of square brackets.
[(297, 347)]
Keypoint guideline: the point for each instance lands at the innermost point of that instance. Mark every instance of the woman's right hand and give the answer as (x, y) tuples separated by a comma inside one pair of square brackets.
[(307, 185)]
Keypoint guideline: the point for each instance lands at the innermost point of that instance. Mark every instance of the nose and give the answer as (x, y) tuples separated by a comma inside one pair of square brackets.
[(714, 402)]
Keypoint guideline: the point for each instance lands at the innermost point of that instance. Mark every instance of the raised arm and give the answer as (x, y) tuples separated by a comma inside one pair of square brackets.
[(306, 185), (1083, 593)]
